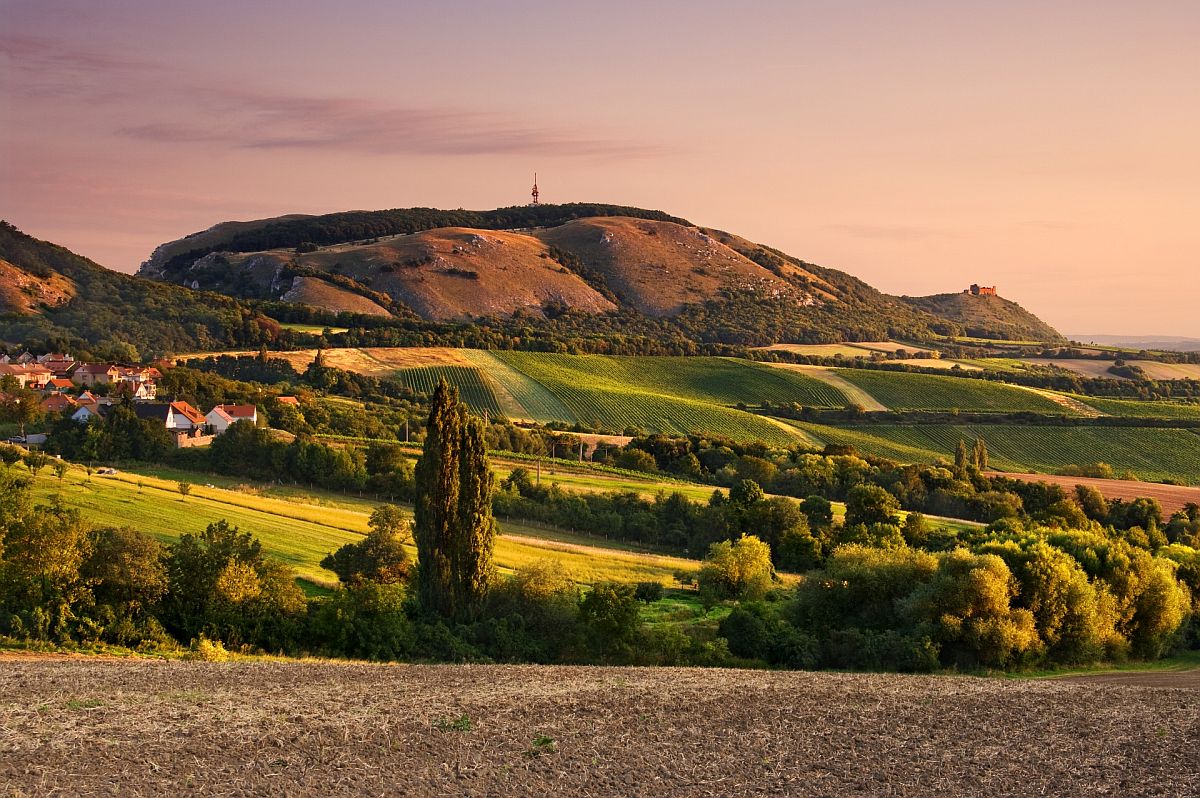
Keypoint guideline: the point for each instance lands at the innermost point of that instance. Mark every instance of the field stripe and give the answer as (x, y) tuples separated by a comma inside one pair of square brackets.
[(853, 393)]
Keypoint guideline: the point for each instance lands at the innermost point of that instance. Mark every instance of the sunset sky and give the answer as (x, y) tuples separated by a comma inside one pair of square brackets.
[(1052, 148)]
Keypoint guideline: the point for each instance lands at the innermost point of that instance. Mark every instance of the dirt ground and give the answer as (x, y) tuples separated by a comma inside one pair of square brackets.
[(1186, 680), (87, 727), (1171, 497)]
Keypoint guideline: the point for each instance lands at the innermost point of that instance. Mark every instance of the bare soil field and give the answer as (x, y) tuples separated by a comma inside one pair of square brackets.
[(1171, 497), (1186, 680), (87, 727)]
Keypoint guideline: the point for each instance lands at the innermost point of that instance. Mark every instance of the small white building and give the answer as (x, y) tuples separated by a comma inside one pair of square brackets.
[(222, 417)]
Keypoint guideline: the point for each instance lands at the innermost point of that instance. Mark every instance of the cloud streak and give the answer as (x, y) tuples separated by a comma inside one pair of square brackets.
[(204, 112)]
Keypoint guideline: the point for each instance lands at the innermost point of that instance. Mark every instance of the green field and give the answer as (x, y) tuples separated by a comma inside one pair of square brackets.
[(314, 329), (901, 391), (1132, 408), (300, 527), (1149, 452), (473, 385), (659, 394)]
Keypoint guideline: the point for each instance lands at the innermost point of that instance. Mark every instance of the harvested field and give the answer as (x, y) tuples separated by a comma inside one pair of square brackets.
[(1184, 680), (86, 727), (1171, 497)]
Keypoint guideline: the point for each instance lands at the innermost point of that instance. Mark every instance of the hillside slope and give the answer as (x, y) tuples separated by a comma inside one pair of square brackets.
[(51, 297), (632, 270), (987, 316)]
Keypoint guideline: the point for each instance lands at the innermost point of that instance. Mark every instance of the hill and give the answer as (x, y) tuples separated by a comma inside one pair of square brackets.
[(987, 316), (50, 295), (141, 727), (626, 269)]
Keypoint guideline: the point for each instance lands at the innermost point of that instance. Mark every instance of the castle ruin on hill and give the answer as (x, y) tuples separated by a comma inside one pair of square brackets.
[(981, 290)]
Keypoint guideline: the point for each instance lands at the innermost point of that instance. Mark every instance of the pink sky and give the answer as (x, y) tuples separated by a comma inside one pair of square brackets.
[(1052, 148)]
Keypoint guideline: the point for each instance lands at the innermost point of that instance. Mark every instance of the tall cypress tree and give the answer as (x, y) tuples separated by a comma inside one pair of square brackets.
[(454, 529), (475, 532)]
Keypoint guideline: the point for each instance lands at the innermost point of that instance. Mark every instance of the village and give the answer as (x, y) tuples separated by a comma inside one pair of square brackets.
[(89, 390)]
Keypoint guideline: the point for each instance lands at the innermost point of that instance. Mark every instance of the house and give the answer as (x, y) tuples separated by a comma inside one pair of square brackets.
[(87, 412), (288, 400), (186, 416), (222, 417), (59, 364), (95, 374), (139, 391), (175, 416), (58, 403), (59, 385), (27, 376)]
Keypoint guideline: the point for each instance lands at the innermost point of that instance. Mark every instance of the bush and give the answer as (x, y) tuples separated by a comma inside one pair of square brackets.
[(737, 570), (205, 650), (649, 592)]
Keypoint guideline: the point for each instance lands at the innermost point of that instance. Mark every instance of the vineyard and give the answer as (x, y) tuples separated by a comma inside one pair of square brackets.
[(474, 387), (722, 381), (1132, 408), (672, 395), (1150, 453), (535, 401), (902, 391)]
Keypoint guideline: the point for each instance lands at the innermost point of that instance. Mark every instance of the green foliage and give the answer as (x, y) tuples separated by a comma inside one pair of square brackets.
[(380, 556), (738, 569), (871, 504), (116, 316), (610, 610), (367, 620), (221, 584), (455, 531)]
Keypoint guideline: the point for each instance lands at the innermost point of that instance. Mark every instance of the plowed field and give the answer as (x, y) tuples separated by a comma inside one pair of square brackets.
[(88, 727)]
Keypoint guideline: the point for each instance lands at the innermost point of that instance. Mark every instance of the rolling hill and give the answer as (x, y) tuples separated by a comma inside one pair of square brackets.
[(634, 268), (987, 316), (52, 298)]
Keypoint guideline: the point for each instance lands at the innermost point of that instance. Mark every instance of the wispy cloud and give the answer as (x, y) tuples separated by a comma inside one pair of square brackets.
[(174, 107)]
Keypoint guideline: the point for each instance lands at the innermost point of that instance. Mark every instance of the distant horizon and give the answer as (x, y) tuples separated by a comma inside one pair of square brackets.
[(921, 147)]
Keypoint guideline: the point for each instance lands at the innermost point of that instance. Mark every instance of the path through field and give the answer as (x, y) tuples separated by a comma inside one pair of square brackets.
[(830, 377), (148, 728)]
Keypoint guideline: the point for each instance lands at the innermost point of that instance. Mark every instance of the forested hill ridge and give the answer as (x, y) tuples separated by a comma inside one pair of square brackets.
[(59, 301), (987, 316), (605, 268)]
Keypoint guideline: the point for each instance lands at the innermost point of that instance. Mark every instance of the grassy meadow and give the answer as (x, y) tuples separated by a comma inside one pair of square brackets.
[(301, 527)]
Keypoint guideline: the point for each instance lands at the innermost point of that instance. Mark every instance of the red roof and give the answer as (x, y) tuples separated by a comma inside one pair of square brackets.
[(59, 382), (187, 411), (287, 400), (57, 403)]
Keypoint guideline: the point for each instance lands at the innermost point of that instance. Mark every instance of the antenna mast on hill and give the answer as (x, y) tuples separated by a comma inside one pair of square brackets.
[(535, 191)]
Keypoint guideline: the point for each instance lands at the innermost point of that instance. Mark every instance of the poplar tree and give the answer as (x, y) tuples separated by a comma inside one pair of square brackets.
[(454, 530), (980, 455), (960, 459)]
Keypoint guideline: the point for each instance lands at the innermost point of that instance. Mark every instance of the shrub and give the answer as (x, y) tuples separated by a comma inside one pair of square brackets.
[(737, 570)]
